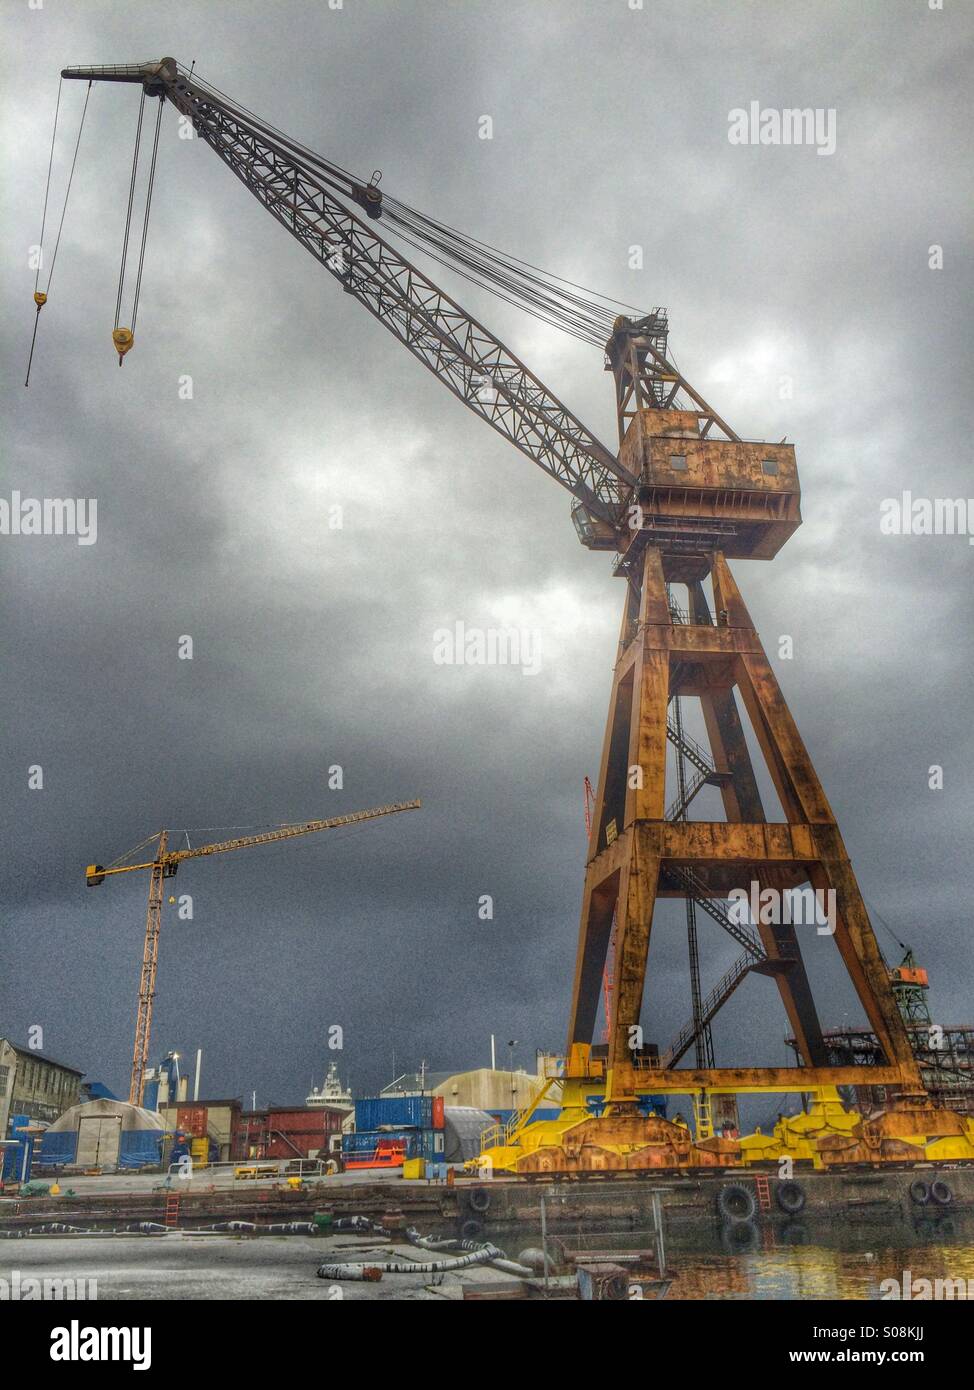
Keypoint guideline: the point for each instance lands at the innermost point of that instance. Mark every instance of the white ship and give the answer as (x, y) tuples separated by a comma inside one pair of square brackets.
[(332, 1093)]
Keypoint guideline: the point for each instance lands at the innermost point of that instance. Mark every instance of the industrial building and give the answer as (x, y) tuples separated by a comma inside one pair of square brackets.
[(215, 1120), (34, 1085), (492, 1090)]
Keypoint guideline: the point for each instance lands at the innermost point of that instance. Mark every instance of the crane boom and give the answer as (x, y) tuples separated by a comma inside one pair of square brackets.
[(95, 873), (297, 189)]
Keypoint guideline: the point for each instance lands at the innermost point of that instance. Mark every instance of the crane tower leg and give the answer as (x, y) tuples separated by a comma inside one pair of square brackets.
[(637, 855)]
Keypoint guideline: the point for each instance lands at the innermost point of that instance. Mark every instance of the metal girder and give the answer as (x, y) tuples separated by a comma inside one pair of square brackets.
[(469, 360)]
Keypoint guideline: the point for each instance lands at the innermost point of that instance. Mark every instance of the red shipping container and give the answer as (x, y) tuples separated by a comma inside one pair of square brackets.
[(438, 1116), (192, 1119), (296, 1132)]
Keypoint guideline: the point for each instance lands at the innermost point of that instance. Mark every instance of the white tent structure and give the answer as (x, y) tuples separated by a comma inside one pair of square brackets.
[(105, 1134)]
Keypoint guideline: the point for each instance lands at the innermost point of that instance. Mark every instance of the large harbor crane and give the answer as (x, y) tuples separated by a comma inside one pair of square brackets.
[(681, 496), (164, 864)]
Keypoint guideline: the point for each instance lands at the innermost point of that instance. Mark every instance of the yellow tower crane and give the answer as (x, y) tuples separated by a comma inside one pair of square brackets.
[(164, 865)]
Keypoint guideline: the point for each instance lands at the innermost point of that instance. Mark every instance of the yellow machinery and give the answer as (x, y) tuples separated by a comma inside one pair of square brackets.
[(823, 1136), (255, 1170)]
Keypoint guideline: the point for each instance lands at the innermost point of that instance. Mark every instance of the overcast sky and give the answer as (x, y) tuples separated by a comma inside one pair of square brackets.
[(313, 646)]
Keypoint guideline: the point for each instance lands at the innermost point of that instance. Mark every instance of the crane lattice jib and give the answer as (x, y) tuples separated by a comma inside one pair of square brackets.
[(289, 832), (455, 347), (170, 860)]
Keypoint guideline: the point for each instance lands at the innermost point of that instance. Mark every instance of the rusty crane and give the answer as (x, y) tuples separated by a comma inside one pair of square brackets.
[(681, 497)]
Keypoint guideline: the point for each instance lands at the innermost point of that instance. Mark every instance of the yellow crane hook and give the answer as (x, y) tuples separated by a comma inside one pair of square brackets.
[(123, 338)]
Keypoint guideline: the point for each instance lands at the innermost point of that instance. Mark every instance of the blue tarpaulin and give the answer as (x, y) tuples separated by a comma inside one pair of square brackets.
[(59, 1148), (140, 1148)]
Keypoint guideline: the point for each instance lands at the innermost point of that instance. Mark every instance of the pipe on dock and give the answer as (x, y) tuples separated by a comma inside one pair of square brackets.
[(485, 1255)]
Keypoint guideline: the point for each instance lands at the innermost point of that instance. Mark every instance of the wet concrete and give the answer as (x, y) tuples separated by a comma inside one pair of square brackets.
[(177, 1267)]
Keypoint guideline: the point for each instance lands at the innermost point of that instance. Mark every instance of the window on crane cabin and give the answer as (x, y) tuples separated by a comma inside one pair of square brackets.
[(678, 462)]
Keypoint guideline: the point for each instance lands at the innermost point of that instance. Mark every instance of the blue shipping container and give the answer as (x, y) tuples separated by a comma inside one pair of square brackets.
[(360, 1143), (404, 1112), (432, 1144)]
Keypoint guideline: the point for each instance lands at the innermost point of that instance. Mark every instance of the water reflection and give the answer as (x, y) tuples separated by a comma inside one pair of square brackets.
[(799, 1260), (816, 1271)]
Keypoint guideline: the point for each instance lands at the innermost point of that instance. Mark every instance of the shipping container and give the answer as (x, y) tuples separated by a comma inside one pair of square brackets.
[(399, 1112), (432, 1143), (304, 1119), (365, 1142), (192, 1119), (439, 1112)]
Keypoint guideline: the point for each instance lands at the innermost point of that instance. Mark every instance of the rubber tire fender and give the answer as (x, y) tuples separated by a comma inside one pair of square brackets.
[(478, 1199), (730, 1198), (941, 1193), (919, 1192), (472, 1230), (740, 1237), (790, 1196)]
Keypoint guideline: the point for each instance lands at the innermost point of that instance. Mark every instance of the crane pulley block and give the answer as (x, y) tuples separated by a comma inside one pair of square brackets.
[(369, 197), (94, 874), (124, 340)]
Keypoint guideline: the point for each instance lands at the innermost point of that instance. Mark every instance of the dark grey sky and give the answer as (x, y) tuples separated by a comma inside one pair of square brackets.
[(313, 646)]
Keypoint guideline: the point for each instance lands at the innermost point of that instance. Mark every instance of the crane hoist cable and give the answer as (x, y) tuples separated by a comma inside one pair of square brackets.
[(875, 912), (581, 312), (128, 211), (148, 205), (586, 314), (124, 338), (40, 296)]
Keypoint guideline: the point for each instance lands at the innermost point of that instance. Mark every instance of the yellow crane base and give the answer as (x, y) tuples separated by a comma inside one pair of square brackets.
[(825, 1136)]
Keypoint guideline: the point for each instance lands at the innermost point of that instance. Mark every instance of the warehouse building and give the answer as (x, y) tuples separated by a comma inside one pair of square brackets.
[(485, 1088), (34, 1085)]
